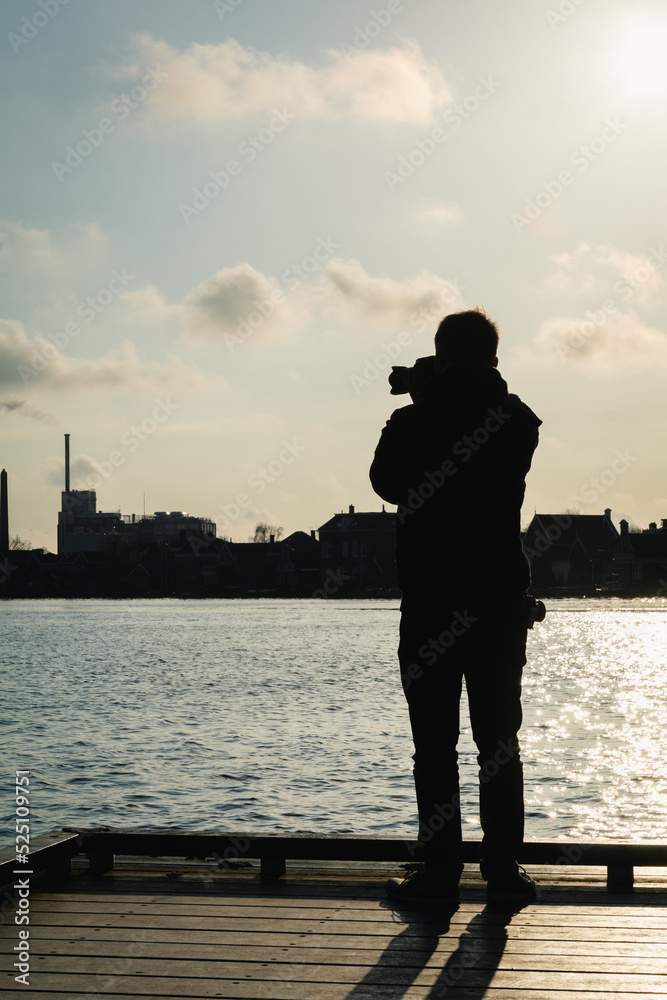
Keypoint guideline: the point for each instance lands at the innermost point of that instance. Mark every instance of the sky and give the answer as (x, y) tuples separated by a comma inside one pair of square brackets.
[(221, 222)]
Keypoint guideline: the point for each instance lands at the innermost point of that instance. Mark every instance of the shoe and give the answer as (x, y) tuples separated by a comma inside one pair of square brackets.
[(427, 883), (508, 883)]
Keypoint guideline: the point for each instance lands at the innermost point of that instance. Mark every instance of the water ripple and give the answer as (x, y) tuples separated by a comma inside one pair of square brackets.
[(289, 715)]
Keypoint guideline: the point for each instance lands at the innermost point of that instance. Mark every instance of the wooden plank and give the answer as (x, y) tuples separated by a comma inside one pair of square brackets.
[(334, 939), (260, 898), (47, 851), (182, 957), (635, 931), (381, 910), (270, 991), (64, 938), (367, 883), (575, 892), (235, 915), (303, 991), (283, 979), (523, 940)]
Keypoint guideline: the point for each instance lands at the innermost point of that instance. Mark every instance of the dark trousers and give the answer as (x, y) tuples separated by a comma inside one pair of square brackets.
[(442, 641)]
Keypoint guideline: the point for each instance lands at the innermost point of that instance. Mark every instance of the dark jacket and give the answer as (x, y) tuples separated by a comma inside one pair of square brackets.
[(455, 464)]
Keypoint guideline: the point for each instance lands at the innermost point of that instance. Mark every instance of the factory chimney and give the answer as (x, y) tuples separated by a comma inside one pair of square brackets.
[(4, 515), (67, 463)]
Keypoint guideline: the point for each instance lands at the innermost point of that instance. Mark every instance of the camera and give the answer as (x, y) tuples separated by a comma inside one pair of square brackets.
[(535, 610), (402, 379)]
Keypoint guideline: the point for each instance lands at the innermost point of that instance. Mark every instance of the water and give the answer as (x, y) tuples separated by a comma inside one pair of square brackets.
[(270, 716)]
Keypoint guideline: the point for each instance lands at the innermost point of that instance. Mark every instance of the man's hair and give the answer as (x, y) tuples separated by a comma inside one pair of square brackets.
[(467, 338)]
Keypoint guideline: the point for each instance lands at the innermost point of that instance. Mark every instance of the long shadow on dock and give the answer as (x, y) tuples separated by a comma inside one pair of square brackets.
[(472, 965)]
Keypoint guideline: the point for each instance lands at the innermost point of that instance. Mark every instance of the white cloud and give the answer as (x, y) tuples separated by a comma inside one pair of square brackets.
[(603, 271), (216, 83), (620, 344), (38, 249), (438, 211), (238, 304), (26, 361), (384, 300), (239, 301), (147, 303)]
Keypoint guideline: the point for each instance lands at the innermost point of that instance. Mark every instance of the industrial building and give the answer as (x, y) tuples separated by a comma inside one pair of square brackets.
[(82, 528)]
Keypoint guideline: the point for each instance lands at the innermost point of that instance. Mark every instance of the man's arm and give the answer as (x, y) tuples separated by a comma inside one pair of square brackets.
[(394, 468)]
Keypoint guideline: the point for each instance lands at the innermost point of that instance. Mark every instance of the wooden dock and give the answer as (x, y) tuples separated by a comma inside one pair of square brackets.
[(325, 930)]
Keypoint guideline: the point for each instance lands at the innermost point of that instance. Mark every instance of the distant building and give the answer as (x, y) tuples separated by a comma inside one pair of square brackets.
[(358, 554), (572, 552), (289, 567), (641, 558), (81, 528)]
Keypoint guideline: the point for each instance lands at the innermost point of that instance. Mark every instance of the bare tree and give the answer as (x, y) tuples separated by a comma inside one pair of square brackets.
[(263, 533), (18, 544)]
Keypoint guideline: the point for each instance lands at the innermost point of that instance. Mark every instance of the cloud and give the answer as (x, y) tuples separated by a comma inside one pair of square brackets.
[(239, 301), (384, 300), (604, 271), (211, 84), (438, 211), (38, 249), (620, 344), (26, 409), (26, 361), (85, 471), (148, 303)]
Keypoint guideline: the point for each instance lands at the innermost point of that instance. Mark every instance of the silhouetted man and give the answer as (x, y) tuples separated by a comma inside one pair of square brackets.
[(455, 461)]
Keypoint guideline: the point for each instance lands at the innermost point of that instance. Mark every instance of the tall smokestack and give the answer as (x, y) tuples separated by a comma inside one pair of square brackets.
[(4, 515), (67, 463)]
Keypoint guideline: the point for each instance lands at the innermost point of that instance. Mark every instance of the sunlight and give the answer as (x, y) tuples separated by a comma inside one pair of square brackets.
[(641, 64)]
